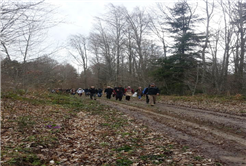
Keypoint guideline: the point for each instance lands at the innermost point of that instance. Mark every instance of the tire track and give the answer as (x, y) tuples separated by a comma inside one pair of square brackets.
[(233, 124), (215, 143)]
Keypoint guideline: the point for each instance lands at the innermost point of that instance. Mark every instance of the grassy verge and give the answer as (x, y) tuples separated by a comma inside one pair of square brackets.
[(229, 104), (31, 123)]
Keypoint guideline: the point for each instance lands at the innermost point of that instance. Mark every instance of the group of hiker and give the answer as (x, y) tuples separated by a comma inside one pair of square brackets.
[(118, 92), (92, 92)]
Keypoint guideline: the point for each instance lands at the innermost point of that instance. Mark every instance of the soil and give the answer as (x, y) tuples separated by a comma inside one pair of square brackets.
[(217, 135)]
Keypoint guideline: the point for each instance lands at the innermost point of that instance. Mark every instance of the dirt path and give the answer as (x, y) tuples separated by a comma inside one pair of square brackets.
[(217, 135)]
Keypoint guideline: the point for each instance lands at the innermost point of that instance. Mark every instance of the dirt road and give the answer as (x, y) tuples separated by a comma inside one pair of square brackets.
[(216, 135)]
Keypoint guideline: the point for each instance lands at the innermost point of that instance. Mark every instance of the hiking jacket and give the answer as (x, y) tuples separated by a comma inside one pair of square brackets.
[(93, 90), (139, 92), (129, 91), (145, 91), (153, 90), (109, 91), (119, 91)]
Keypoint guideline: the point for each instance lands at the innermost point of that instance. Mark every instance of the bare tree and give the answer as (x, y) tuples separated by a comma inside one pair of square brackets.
[(97, 60), (139, 21), (239, 20), (107, 48), (227, 37), (79, 45), (23, 28), (115, 19), (131, 57), (215, 67), (157, 25), (209, 15), (13, 16)]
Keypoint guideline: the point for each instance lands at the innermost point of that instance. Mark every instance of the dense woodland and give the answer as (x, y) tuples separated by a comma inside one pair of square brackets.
[(185, 48)]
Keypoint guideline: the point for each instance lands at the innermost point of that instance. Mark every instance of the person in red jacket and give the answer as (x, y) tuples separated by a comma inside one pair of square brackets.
[(128, 92)]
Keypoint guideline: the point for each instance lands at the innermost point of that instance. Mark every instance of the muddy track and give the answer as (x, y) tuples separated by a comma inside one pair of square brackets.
[(216, 135)]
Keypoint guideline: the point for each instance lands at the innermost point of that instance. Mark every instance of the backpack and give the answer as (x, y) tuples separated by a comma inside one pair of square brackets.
[(144, 91)]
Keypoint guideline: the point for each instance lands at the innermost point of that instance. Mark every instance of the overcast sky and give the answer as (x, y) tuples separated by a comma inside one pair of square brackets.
[(79, 15)]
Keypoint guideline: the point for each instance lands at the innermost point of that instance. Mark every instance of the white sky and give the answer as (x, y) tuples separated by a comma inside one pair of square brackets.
[(79, 15)]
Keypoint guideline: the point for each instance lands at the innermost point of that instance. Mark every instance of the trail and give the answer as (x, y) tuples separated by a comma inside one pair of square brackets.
[(217, 135)]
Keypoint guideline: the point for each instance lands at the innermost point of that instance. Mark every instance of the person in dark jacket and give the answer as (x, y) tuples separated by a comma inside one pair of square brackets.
[(145, 92), (119, 92), (139, 92), (93, 92), (87, 93), (73, 91), (108, 92), (99, 92), (153, 91)]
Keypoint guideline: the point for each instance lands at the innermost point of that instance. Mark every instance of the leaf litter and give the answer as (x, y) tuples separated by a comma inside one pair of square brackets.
[(52, 129)]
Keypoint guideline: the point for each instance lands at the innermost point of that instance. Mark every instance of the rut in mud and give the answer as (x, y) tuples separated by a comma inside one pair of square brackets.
[(217, 135)]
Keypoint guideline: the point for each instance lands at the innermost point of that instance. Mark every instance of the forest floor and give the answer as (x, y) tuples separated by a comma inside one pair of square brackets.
[(214, 127), (51, 129)]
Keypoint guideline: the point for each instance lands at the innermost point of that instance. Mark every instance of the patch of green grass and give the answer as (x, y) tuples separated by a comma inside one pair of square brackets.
[(30, 138), (184, 148), (105, 124), (243, 111), (104, 144), (125, 148), (167, 150), (25, 122), (23, 149), (11, 95), (198, 158), (105, 165), (126, 134), (135, 140), (30, 119), (39, 140), (159, 158), (25, 159), (3, 154), (49, 141), (48, 119), (62, 99), (170, 146), (117, 124), (123, 162), (33, 101)]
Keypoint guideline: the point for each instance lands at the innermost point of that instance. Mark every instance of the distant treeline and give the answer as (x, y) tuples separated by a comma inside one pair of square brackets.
[(184, 48)]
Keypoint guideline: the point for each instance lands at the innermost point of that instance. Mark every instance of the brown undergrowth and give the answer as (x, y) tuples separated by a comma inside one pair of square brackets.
[(227, 104)]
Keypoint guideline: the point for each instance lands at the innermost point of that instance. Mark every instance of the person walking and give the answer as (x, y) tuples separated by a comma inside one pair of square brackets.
[(153, 91), (93, 92), (145, 92), (128, 92), (80, 91), (139, 92), (99, 92), (73, 91), (108, 92), (119, 92), (87, 93)]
